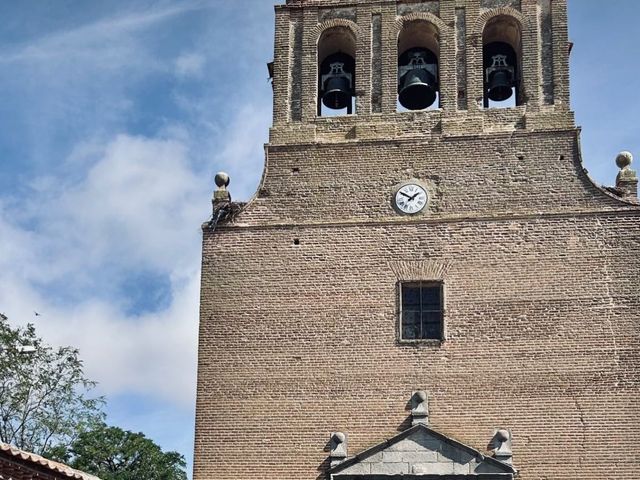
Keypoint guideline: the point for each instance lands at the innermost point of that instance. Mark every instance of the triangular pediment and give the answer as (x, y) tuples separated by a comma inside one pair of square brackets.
[(421, 452)]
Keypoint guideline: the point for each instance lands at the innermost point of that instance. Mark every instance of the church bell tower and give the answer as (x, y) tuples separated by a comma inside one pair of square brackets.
[(426, 284)]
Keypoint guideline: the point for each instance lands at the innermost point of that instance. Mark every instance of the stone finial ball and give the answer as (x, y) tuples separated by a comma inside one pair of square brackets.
[(421, 395), (502, 435), (624, 159), (222, 180), (339, 437)]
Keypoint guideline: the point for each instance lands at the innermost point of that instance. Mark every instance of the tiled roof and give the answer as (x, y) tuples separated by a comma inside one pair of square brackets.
[(55, 467)]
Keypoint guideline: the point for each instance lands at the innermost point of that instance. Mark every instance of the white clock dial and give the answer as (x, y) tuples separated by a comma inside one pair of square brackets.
[(411, 198)]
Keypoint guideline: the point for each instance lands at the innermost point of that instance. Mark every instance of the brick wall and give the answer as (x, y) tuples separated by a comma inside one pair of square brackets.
[(460, 25), (540, 267), (542, 338), (486, 175)]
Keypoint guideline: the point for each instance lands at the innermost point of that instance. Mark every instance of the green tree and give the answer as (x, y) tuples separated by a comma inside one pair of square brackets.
[(115, 454), (45, 398)]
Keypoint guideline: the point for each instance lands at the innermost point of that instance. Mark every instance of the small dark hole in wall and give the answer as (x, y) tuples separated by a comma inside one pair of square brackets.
[(462, 94), (296, 241), (561, 157), (295, 170), (520, 157)]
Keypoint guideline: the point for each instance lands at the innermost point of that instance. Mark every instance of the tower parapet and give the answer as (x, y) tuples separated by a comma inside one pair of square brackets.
[(490, 65)]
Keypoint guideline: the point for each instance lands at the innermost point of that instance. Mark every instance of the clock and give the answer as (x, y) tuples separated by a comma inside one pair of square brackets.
[(410, 198)]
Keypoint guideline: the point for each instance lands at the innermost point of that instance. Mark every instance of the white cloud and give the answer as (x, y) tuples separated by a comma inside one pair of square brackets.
[(138, 207), (242, 153), (141, 197), (190, 65), (132, 203), (108, 206), (16, 244), (154, 354), (104, 36)]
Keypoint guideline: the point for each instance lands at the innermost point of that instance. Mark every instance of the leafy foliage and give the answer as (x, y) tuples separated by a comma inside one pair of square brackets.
[(115, 454), (44, 396)]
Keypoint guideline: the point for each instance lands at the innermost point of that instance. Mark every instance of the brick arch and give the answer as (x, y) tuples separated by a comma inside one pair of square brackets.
[(483, 19), (336, 22), (420, 270), (423, 17)]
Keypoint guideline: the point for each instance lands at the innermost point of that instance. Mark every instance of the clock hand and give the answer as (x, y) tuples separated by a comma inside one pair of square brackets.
[(404, 194)]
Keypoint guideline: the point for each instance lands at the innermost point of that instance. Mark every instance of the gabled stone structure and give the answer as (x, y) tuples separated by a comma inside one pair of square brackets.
[(421, 453)]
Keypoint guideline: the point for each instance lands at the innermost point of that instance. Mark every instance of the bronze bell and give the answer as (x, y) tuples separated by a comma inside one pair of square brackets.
[(336, 81), (417, 78), (500, 71), (337, 93), (500, 86)]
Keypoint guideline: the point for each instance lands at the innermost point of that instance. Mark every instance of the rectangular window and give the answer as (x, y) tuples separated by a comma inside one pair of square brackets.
[(421, 309)]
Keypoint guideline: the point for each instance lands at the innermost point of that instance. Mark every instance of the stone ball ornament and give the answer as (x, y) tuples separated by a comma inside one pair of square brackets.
[(339, 437), (624, 160), (222, 180), (502, 435), (421, 395)]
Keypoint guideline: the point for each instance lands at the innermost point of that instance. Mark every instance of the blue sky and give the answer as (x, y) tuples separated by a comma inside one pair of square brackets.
[(114, 117)]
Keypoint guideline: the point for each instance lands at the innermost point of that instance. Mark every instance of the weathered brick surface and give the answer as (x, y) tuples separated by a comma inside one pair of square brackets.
[(540, 267), (484, 175), (542, 335)]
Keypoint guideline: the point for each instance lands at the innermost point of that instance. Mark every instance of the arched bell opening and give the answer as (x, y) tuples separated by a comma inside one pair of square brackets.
[(502, 63), (418, 73), (336, 72)]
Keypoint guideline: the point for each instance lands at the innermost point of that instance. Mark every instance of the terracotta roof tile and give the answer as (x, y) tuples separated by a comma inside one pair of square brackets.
[(56, 467)]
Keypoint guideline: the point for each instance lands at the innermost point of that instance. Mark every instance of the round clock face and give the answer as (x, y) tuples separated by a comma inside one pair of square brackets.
[(411, 198)]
